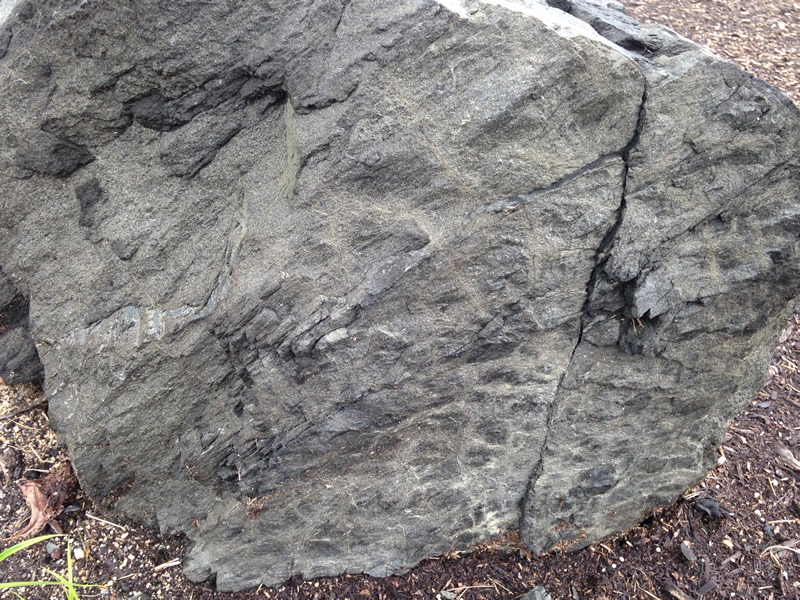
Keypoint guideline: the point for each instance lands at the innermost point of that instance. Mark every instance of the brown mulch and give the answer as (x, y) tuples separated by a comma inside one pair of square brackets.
[(762, 36), (736, 535)]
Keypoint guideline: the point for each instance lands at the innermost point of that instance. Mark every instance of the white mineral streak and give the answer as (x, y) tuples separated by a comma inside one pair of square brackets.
[(6, 6), (134, 326), (552, 18), (456, 6)]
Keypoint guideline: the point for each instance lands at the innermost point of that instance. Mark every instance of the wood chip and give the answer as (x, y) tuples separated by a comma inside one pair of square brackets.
[(674, 591), (686, 550), (24, 409), (788, 458), (172, 563), (710, 585)]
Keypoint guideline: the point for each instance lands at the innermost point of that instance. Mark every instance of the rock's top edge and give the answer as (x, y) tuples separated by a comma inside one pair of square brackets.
[(552, 17), (6, 8)]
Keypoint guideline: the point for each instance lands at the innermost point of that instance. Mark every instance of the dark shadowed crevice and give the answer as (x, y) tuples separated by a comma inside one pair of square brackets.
[(513, 203), (19, 359), (565, 5), (160, 113), (602, 254), (5, 40), (47, 154)]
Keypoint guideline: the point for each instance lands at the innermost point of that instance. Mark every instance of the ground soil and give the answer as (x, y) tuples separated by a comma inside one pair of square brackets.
[(762, 36), (735, 535)]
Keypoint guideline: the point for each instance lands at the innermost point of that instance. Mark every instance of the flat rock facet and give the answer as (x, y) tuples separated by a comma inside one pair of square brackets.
[(338, 285)]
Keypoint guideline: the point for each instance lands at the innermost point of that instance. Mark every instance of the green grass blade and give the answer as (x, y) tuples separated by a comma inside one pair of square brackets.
[(69, 591), (71, 594), (24, 544), (69, 562), (67, 583), (17, 584), (71, 585), (59, 578)]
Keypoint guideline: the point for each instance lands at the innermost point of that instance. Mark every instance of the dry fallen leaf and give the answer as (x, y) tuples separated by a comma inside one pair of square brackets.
[(711, 507), (41, 513), (687, 552), (45, 498)]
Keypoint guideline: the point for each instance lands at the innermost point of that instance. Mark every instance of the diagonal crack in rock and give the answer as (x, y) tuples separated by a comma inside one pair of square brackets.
[(602, 255)]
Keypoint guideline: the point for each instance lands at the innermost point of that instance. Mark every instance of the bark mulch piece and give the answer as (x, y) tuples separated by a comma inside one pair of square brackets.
[(762, 37), (735, 535)]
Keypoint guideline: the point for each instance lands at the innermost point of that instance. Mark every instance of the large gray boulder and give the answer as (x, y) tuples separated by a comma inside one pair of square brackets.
[(337, 285)]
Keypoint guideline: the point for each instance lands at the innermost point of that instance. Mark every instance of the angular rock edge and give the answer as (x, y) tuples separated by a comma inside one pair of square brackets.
[(19, 360)]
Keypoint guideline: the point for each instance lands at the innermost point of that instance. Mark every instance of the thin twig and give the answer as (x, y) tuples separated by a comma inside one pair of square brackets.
[(24, 409), (172, 563), (497, 583), (771, 549), (469, 587), (106, 522)]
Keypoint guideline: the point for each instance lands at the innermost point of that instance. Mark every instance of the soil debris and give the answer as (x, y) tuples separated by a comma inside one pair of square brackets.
[(45, 498)]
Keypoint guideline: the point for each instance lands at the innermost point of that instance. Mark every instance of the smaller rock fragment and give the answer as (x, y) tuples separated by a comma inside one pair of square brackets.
[(10, 465), (687, 552), (53, 550), (537, 593)]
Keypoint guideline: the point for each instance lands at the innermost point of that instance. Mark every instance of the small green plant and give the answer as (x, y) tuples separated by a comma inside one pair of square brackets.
[(69, 586)]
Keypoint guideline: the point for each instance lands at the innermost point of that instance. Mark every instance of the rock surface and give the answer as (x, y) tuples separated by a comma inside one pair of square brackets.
[(337, 285), (19, 361)]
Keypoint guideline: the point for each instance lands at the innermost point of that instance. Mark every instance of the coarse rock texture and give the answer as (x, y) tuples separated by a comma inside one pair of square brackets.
[(19, 361), (336, 285)]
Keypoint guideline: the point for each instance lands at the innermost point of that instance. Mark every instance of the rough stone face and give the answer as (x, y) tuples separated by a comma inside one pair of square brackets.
[(337, 285), (19, 361)]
